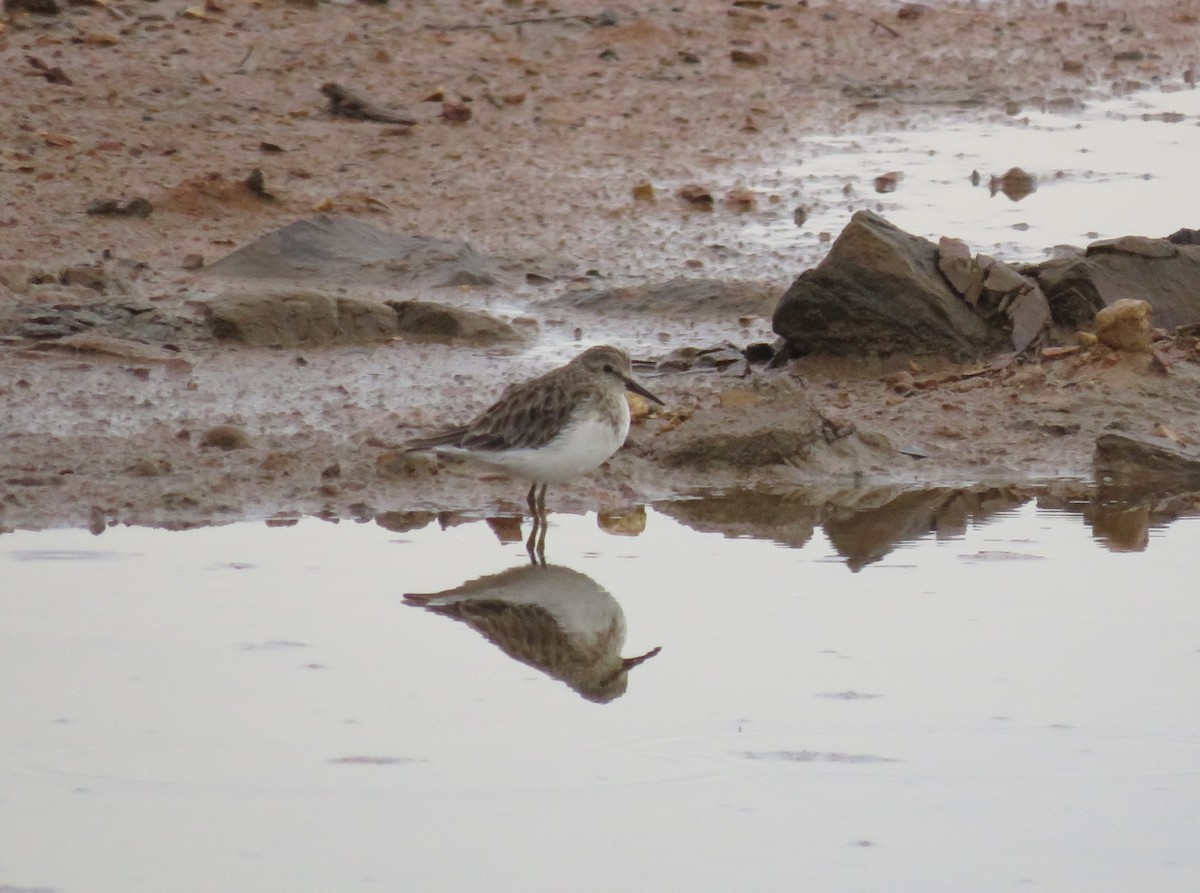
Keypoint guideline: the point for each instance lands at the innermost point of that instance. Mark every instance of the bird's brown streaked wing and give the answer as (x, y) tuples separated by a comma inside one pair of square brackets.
[(523, 418)]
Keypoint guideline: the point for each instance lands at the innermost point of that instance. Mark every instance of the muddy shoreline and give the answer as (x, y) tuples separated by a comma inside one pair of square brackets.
[(570, 118)]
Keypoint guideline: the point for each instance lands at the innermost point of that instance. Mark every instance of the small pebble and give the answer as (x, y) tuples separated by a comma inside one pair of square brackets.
[(225, 437)]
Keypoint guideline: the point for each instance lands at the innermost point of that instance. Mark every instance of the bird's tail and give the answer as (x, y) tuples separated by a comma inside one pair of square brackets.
[(446, 438)]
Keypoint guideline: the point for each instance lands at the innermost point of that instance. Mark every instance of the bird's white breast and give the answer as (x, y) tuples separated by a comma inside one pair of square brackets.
[(586, 442)]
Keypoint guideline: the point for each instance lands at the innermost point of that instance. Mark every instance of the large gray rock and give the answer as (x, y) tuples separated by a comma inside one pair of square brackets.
[(349, 251), (880, 291), (1165, 275)]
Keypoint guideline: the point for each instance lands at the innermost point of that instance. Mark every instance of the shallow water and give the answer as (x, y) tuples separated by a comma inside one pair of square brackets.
[(1005, 695), (1115, 168)]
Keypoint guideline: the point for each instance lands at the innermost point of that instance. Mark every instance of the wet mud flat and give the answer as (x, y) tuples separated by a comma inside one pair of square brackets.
[(556, 179), (271, 398)]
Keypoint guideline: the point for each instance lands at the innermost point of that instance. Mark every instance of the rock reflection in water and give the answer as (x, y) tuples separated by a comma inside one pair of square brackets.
[(865, 532), (864, 525), (1121, 517), (551, 618), (787, 518)]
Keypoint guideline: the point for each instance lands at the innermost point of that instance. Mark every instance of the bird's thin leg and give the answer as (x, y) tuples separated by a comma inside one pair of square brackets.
[(531, 543), (541, 544)]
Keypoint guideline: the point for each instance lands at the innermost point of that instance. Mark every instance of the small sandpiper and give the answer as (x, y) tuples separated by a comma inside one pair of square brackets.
[(551, 618), (550, 429)]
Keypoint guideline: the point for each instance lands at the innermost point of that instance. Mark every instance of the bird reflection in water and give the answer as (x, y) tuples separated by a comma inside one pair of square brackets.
[(551, 618)]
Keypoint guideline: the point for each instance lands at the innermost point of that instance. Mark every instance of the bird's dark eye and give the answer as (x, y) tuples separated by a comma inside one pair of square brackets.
[(608, 367)]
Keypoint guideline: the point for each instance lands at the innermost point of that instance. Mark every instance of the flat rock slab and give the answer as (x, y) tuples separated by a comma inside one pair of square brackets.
[(783, 431), (1163, 274), (1126, 456), (121, 348), (342, 249), (294, 318), (299, 317), (130, 320)]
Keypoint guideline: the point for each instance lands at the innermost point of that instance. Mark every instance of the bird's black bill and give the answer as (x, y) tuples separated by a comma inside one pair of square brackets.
[(631, 385)]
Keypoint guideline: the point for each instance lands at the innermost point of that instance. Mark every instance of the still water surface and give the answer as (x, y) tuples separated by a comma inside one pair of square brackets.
[(248, 707), (1114, 168)]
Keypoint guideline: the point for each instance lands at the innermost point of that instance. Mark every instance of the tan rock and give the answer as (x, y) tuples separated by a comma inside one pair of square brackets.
[(1125, 325), (639, 407), (625, 522)]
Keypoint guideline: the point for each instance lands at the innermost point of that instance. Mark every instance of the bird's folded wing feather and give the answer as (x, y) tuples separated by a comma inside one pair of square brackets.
[(524, 417)]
